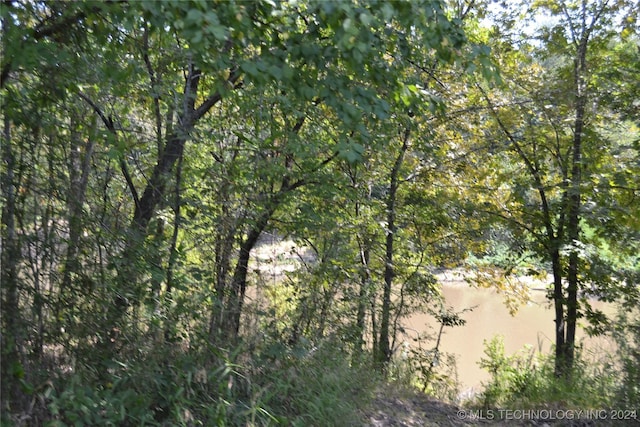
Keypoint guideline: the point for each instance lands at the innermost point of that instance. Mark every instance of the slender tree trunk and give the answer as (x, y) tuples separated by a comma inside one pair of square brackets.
[(223, 251), (573, 217), (237, 290), (363, 294), (364, 246), (79, 167), (559, 304), (383, 354), (374, 326), (364, 254), (233, 298), (328, 295), (225, 238), (13, 333), (575, 193), (565, 306), (173, 252), (231, 309), (173, 249)]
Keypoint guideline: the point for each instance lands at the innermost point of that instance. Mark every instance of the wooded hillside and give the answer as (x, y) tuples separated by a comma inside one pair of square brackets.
[(148, 145)]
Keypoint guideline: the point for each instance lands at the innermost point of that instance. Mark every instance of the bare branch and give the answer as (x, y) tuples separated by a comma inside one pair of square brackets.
[(108, 122)]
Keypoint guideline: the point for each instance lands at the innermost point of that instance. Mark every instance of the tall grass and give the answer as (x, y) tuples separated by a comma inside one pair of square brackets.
[(275, 385), (317, 387)]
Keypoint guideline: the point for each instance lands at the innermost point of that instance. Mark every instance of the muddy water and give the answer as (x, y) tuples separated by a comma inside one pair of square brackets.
[(532, 325)]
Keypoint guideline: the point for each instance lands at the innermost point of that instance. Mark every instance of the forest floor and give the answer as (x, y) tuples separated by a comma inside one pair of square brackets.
[(395, 408)]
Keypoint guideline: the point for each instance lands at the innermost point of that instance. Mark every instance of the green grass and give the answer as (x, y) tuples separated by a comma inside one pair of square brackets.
[(275, 385)]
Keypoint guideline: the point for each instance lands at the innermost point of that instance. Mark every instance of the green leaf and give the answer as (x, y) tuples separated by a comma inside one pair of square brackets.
[(351, 152), (194, 16), (275, 71), (365, 18), (250, 68)]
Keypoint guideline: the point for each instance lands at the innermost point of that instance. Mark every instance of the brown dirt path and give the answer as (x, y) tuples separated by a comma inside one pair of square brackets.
[(404, 409)]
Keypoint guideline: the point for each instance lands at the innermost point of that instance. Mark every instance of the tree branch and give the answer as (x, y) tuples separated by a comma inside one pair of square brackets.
[(108, 122), (208, 103), (154, 88)]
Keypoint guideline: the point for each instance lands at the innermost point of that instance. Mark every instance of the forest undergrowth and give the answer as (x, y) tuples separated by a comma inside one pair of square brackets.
[(324, 385)]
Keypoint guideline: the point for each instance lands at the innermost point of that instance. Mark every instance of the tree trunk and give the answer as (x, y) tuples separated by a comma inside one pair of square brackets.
[(235, 300), (173, 252), (13, 333), (575, 193), (364, 247), (79, 167), (363, 295), (558, 303), (225, 238), (383, 354), (128, 292)]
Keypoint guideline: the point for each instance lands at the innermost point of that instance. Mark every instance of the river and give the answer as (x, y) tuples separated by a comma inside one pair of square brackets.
[(532, 325)]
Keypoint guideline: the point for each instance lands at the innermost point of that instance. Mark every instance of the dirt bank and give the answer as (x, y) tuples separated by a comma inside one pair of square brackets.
[(396, 408)]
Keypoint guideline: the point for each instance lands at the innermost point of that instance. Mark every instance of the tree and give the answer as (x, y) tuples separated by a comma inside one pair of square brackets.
[(113, 119), (546, 147)]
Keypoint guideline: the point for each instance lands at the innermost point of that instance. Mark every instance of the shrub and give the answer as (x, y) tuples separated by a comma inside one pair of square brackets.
[(627, 337), (526, 380), (431, 371)]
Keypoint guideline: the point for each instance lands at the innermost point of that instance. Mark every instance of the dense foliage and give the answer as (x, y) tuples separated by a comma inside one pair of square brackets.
[(149, 148)]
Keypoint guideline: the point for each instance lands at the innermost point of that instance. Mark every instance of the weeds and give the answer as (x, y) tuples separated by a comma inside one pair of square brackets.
[(526, 380), (316, 385), (627, 337), (277, 385), (307, 384)]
